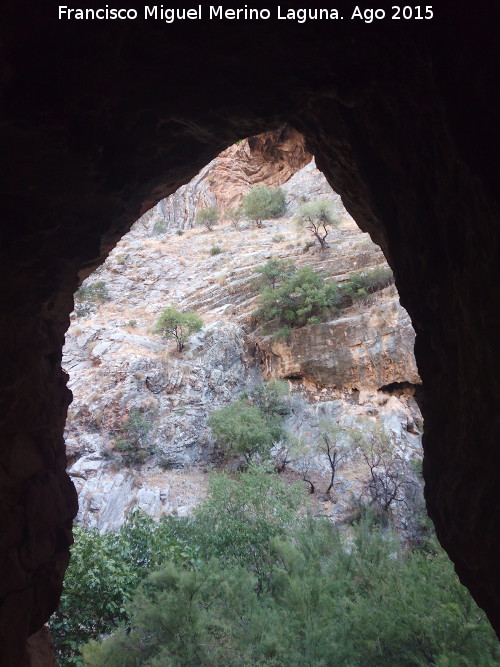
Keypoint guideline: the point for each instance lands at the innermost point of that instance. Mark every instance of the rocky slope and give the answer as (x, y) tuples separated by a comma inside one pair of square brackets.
[(270, 158), (359, 364)]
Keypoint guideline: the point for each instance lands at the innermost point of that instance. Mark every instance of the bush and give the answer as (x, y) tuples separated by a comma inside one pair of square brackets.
[(174, 325), (132, 442), (102, 575), (263, 202), (359, 285), (179, 232), (272, 397), (234, 216), (278, 238), (159, 227), (207, 217), (325, 601), (274, 272), (215, 250), (318, 217), (242, 428), (90, 296), (301, 299)]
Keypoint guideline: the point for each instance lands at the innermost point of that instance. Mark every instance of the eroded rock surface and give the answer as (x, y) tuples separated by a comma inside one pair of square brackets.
[(118, 366)]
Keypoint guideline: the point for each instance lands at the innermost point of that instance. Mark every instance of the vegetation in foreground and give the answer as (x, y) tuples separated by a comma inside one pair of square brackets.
[(252, 579)]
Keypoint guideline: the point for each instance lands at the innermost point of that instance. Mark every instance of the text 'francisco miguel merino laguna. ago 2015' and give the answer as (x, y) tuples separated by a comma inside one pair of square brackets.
[(245, 13)]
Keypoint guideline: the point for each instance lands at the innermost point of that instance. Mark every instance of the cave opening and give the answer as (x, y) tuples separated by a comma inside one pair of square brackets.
[(152, 250)]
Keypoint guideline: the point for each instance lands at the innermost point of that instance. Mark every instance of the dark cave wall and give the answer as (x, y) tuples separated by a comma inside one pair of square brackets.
[(99, 122)]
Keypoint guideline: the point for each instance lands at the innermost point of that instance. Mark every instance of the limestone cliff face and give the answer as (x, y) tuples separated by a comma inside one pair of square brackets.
[(117, 366), (270, 158), (367, 349)]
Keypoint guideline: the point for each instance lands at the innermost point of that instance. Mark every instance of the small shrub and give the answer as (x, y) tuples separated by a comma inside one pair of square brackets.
[(274, 272), (359, 285), (89, 297), (167, 463), (308, 245), (317, 217), (215, 250), (207, 217), (132, 442), (234, 215), (132, 324), (174, 325), (278, 238), (263, 202), (179, 232), (121, 259), (272, 397), (243, 428), (282, 334), (159, 227)]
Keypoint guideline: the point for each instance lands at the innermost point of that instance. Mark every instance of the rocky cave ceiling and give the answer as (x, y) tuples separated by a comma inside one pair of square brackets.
[(101, 120)]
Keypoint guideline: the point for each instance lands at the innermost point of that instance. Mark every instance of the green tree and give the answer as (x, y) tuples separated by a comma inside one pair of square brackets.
[(263, 202), (274, 272), (174, 325), (241, 428), (207, 217), (234, 215), (271, 397), (102, 575), (318, 217), (242, 514), (304, 298), (328, 600)]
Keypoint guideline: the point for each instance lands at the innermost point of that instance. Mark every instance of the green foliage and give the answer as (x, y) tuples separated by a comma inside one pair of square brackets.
[(215, 250), (282, 334), (159, 227), (274, 272), (104, 572), (242, 428), (132, 442), (207, 217), (278, 238), (359, 285), (241, 515), (302, 296), (90, 296), (263, 202), (179, 232), (174, 325), (132, 324), (317, 217), (391, 480), (327, 600), (234, 215), (272, 397)]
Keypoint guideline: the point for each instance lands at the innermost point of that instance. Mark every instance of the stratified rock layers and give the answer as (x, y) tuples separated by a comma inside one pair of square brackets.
[(363, 351)]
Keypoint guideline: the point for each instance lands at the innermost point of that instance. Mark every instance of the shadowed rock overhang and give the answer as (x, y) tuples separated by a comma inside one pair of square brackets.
[(101, 119)]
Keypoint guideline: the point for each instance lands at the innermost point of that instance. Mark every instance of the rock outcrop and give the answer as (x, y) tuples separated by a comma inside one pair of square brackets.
[(270, 158), (118, 367), (367, 349)]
